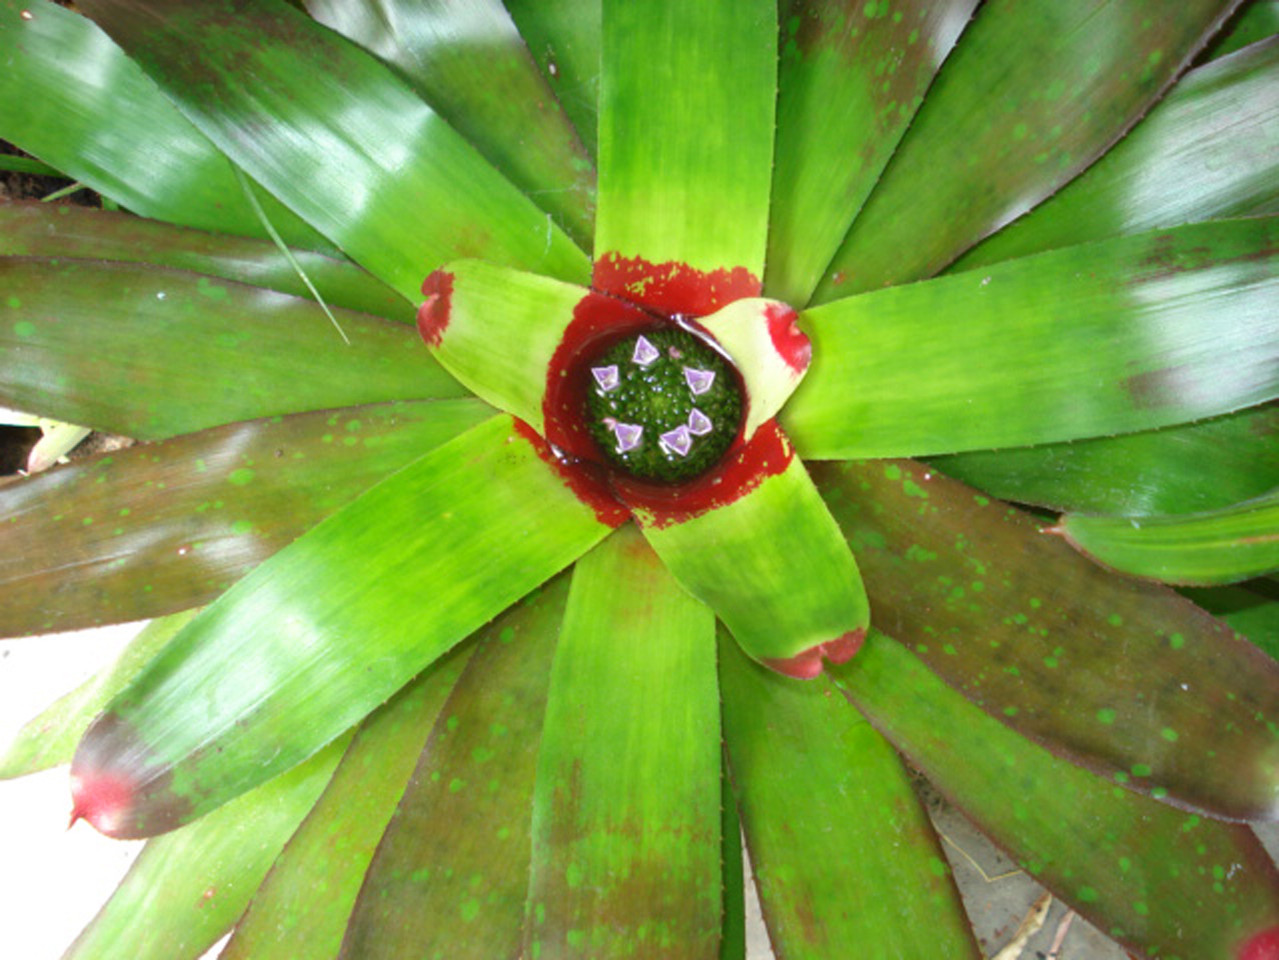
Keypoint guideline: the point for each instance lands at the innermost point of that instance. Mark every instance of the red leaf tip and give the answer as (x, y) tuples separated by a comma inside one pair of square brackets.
[(1263, 946), (433, 314), (807, 665), (790, 342), (102, 799)]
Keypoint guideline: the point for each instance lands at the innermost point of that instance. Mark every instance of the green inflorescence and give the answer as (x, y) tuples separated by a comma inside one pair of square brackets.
[(687, 392)]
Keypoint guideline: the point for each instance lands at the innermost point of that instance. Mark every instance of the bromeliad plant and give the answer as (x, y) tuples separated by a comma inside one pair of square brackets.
[(468, 663)]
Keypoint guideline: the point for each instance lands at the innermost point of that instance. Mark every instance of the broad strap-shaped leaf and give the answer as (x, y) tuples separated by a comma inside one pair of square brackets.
[(1257, 20), (687, 97), (310, 642), (842, 850), (518, 341), (465, 812), (162, 527), (1034, 92), (852, 75), (754, 541), (1177, 166), (1182, 469), (468, 62), (1217, 546), (332, 848), (564, 38), (49, 739), (626, 816), (187, 889), (1110, 337), (173, 352), (1159, 880), (1121, 675), (336, 136), (75, 100), (85, 233)]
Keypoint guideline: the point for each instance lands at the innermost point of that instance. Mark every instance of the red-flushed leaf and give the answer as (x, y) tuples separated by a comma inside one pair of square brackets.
[(1033, 93), (852, 76), (1199, 155), (764, 341), (1182, 469), (753, 540), (626, 815), (157, 528), (468, 62), (309, 643), (174, 352), (332, 847), (499, 330), (526, 343), (337, 136), (450, 874), (1163, 882), (1234, 543), (687, 95), (833, 825), (49, 739), (85, 233), (74, 99), (1124, 676), (1185, 319), (564, 38), (186, 889)]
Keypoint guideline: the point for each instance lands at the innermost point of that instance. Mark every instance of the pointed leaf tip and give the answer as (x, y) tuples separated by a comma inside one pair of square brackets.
[(1264, 946), (118, 786), (101, 799), (808, 665)]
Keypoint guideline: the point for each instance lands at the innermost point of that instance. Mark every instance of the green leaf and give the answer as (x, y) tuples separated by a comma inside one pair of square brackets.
[(1182, 469), (49, 739), (332, 848), (186, 890), (465, 812), (1161, 881), (1257, 20), (1218, 546), (564, 38), (1123, 676), (65, 231), (1175, 167), (337, 137), (1184, 319), (174, 352), (162, 527), (852, 76), (832, 820), (687, 96), (309, 643), (75, 100), (470, 64), (732, 944), (779, 574), (1035, 91), (626, 815)]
